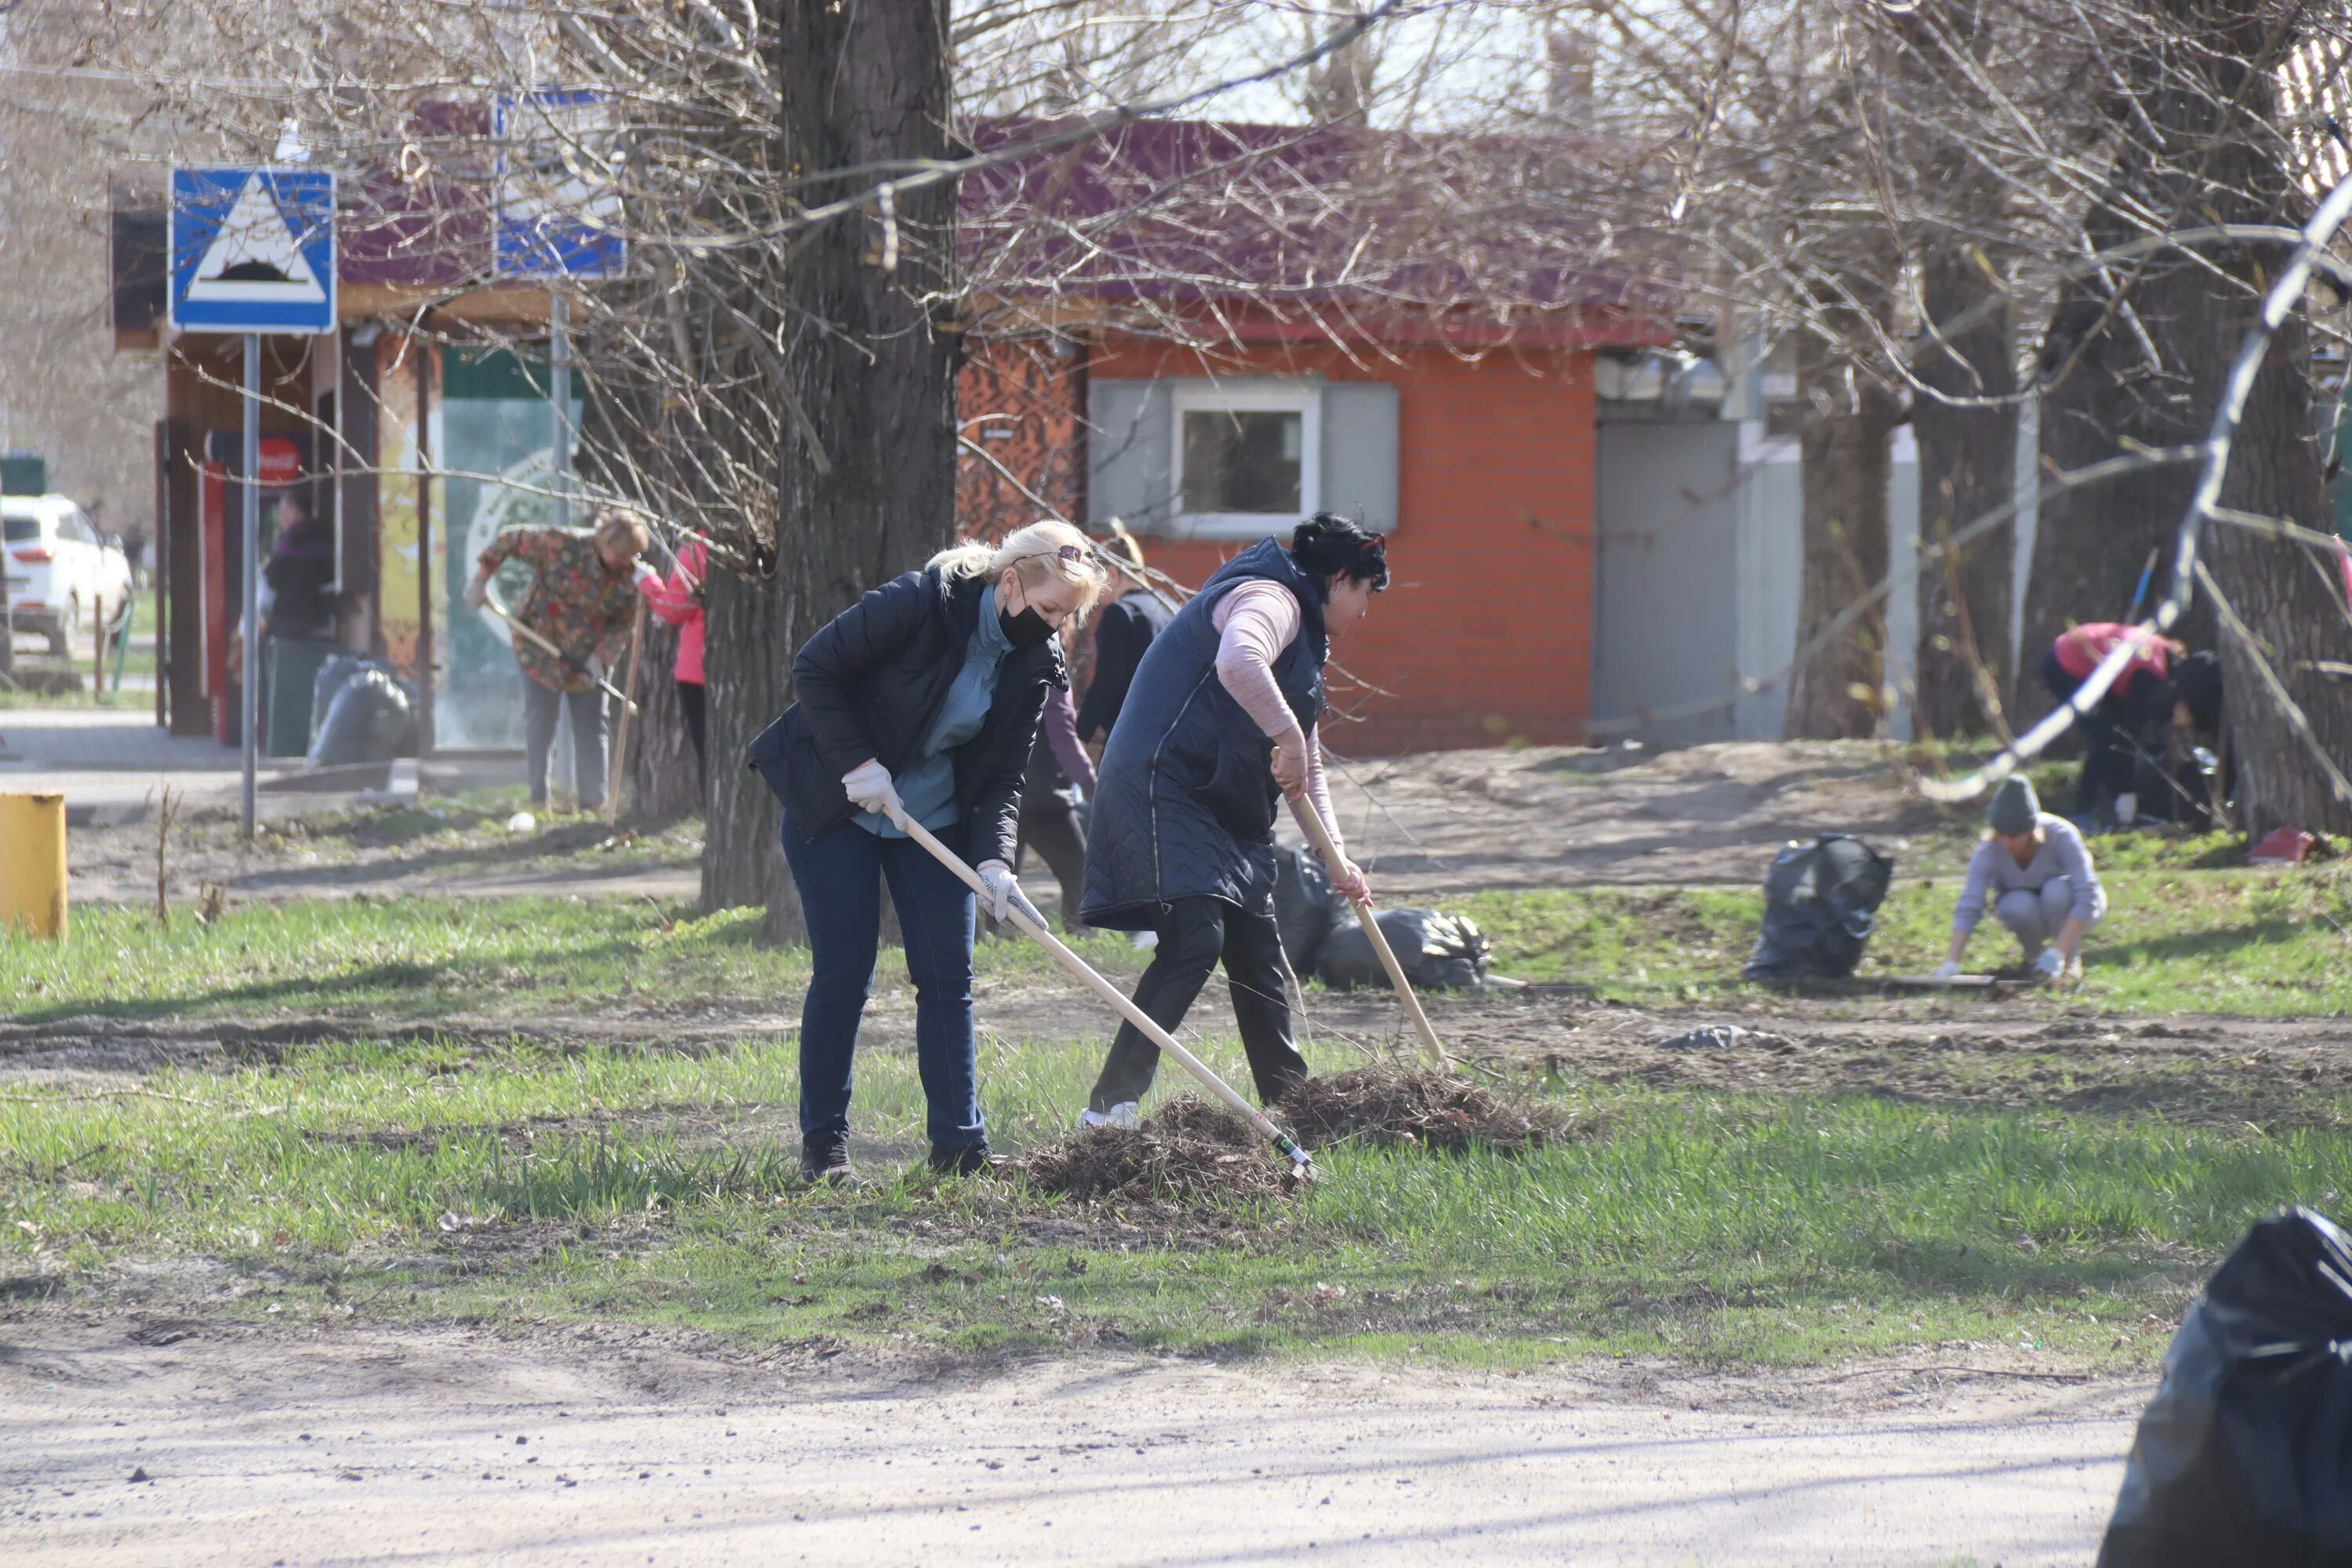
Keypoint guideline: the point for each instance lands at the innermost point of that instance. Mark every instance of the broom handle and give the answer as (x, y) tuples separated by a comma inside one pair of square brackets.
[(628, 711), (628, 704), (1022, 915), (1311, 819)]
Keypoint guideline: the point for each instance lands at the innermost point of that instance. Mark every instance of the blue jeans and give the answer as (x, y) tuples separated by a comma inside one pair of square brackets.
[(840, 875)]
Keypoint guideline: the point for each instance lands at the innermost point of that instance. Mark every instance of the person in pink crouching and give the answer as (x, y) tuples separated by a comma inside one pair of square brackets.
[(678, 600)]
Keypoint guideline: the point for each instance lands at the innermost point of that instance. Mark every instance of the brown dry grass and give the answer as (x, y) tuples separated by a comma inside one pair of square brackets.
[(1390, 1104), (1188, 1151)]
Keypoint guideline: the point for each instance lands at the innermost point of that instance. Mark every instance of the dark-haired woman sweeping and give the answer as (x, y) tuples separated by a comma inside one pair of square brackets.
[(1218, 727), (921, 698)]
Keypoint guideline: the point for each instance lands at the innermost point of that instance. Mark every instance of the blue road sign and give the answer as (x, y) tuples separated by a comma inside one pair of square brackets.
[(253, 250), (559, 203)]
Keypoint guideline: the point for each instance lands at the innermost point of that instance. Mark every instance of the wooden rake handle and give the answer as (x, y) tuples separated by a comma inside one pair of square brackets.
[(490, 603), (1024, 915), (1312, 820)]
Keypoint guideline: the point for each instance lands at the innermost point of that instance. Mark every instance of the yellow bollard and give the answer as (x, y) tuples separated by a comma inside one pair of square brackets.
[(33, 865)]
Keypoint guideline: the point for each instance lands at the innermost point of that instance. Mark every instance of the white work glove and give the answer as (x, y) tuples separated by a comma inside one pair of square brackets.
[(870, 789), (2050, 964), (644, 574), (1003, 886), (1948, 970)]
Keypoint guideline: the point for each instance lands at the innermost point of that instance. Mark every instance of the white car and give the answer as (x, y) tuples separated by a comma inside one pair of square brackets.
[(62, 577)]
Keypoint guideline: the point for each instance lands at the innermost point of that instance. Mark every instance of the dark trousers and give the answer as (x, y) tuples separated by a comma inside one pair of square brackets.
[(1194, 933), (690, 703), (840, 877), (1051, 828), (2109, 763), (539, 709)]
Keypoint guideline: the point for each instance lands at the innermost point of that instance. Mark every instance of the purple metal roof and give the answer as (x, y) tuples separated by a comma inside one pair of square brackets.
[(1274, 215), (1179, 215)]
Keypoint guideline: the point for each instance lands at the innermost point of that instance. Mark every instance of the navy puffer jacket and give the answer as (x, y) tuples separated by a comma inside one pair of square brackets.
[(1186, 801), (871, 682)]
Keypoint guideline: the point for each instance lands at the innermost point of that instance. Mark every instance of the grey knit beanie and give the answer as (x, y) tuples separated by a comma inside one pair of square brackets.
[(2015, 808)]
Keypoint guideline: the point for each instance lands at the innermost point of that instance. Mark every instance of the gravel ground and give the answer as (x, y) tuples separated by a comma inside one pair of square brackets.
[(458, 1447)]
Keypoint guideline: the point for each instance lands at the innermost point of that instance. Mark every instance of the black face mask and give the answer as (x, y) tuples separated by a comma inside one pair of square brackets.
[(1026, 629)]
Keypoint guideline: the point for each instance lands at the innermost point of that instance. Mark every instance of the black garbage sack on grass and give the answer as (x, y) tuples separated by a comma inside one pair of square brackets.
[(1307, 908), (1438, 952), (371, 720), (2243, 1459), (1820, 903)]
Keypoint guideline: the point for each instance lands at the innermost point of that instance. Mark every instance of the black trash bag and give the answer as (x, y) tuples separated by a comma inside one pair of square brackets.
[(338, 668), (1438, 952), (2243, 1459), (1821, 904), (2176, 784), (1307, 908), (372, 719)]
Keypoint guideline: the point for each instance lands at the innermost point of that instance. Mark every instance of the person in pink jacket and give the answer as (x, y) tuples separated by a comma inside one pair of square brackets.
[(678, 600)]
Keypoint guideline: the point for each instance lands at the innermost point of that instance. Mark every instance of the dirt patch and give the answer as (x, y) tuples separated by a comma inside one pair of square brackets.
[(87, 1045), (2225, 1072), (1387, 1105), (1441, 823), (337, 849)]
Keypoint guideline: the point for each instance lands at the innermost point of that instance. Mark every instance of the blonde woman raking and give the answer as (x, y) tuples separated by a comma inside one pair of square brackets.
[(923, 696)]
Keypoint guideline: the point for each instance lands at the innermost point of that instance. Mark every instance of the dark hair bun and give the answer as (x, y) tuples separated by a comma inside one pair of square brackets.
[(1329, 545)]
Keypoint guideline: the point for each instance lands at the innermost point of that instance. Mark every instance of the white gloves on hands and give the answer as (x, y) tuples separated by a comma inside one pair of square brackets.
[(870, 788), (1948, 970), (2050, 964), (644, 574), (1002, 886)]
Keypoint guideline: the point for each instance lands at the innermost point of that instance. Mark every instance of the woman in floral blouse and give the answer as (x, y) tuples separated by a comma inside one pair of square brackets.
[(582, 598)]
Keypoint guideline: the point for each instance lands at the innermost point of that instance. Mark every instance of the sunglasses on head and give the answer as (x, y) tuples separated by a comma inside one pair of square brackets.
[(1077, 552)]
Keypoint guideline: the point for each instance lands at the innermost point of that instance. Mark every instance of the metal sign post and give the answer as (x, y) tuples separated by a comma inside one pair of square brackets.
[(250, 680), (558, 381), (252, 251)]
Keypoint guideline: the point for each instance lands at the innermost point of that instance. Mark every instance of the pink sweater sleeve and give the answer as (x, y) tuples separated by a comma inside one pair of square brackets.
[(1060, 727), (1254, 623)]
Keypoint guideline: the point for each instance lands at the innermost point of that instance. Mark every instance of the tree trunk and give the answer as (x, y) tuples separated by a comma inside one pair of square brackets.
[(661, 757), (2210, 160), (1835, 694), (2091, 544), (2290, 598), (862, 84), (1967, 459)]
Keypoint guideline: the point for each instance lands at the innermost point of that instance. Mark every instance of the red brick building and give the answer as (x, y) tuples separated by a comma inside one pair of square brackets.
[(1466, 434)]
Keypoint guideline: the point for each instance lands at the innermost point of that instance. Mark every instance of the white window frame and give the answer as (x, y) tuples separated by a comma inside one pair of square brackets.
[(1197, 396)]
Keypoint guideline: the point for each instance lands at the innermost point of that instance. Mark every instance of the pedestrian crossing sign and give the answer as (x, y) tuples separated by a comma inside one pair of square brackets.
[(253, 250)]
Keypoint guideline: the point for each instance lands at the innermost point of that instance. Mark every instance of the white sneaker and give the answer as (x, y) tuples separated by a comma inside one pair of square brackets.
[(1124, 1114)]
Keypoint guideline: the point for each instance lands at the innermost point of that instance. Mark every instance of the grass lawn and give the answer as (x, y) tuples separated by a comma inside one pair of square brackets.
[(2177, 938), (602, 1178), (616, 1183)]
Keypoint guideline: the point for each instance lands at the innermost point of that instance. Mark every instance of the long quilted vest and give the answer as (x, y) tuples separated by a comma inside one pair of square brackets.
[(1186, 804)]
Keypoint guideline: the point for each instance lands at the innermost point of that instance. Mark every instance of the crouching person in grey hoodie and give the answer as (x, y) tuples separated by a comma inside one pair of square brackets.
[(2037, 872)]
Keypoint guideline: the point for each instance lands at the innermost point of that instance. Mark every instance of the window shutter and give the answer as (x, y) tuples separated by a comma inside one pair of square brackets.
[(1360, 451), (1130, 467)]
